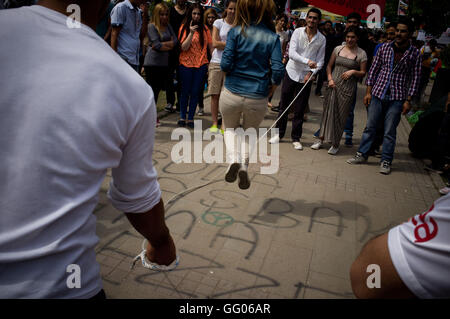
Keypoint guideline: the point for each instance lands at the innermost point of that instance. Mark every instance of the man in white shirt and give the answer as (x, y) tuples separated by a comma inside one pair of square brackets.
[(413, 258), (62, 125), (306, 53)]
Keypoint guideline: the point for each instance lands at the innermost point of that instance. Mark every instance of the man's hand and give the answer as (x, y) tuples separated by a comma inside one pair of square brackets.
[(307, 76), (367, 99), (165, 254), (406, 107), (312, 64), (152, 226)]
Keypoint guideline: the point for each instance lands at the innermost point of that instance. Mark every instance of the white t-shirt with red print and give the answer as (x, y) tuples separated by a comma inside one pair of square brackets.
[(420, 251)]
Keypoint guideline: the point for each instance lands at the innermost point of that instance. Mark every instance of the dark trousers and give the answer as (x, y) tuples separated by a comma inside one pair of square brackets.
[(171, 87), (158, 78), (351, 116), (289, 91), (320, 78), (202, 92), (441, 147), (191, 82)]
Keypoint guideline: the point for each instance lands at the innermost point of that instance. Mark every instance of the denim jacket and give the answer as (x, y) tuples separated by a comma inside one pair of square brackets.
[(252, 62)]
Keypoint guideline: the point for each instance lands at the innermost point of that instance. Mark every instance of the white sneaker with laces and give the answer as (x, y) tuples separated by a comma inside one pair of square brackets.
[(297, 145), (333, 150), (317, 145), (275, 139)]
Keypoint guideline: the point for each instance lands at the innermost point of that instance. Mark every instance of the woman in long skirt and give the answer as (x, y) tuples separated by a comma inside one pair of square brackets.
[(349, 62)]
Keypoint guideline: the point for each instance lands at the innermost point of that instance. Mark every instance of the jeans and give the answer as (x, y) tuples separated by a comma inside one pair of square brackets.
[(191, 84), (351, 116), (393, 111)]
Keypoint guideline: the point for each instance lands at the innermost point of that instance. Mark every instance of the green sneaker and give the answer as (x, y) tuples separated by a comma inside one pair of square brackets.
[(213, 129), (222, 131)]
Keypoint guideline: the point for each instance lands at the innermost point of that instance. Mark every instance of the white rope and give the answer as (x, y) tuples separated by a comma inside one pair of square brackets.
[(254, 148), (154, 266)]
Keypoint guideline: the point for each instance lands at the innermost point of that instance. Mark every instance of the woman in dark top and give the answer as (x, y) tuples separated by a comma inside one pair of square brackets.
[(177, 14), (162, 40)]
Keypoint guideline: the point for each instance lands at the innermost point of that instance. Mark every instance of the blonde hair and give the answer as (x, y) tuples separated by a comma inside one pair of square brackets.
[(254, 11), (160, 7)]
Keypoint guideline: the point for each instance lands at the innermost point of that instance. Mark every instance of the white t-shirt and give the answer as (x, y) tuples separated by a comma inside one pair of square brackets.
[(420, 251), (70, 108), (223, 27), (284, 37)]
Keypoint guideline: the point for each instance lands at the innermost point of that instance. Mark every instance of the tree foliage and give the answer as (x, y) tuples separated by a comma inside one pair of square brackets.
[(434, 15)]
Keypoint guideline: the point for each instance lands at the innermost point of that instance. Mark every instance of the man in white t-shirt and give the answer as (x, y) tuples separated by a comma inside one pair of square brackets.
[(70, 109), (414, 258)]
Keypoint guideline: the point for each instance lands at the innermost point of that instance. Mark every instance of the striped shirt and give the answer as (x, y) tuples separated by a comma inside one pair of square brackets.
[(402, 80)]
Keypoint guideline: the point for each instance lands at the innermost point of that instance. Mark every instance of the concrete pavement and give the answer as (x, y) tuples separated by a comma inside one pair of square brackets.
[(293, 234)]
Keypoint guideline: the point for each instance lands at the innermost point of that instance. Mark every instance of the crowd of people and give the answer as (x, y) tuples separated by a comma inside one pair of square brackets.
[(245, 54)]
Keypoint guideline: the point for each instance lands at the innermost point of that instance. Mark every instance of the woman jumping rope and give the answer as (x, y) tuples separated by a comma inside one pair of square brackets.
[(252, 62)]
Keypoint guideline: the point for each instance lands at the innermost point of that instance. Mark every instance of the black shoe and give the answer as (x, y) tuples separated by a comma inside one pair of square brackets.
[(190, 124), (275, 109), (182, 123)]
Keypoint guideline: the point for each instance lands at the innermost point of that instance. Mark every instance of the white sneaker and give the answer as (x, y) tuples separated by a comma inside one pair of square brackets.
[(297, 145), (333, 150), (275, 139), (317, 145)]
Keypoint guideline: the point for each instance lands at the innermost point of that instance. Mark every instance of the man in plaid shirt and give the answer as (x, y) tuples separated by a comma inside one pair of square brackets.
[(392, 82)]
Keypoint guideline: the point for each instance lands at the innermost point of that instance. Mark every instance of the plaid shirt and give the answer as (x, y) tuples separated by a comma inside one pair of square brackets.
[(403, 79)]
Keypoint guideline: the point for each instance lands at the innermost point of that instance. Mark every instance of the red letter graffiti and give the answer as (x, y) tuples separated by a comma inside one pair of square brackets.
[(425, 225)]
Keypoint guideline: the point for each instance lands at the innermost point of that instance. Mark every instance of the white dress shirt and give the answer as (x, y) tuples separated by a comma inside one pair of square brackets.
[(301, 50)]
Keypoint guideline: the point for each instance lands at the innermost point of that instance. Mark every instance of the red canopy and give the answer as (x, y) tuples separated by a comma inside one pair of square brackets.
[(345, 7)]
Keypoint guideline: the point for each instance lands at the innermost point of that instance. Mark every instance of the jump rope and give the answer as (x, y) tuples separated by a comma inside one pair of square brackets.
[(162, 268)]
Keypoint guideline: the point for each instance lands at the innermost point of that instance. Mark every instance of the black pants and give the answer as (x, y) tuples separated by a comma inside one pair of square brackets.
[(171, 87), (441, 147), (289, 91), (320, 78), (158, 78)]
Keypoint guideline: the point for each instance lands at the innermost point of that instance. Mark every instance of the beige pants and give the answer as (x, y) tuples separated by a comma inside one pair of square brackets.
[(232, 107)]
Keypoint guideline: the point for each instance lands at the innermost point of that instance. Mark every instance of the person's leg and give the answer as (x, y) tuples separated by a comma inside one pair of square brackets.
[(231, 106), (300, 105), (349, 124), (198, 75), (201, 95), (215, 82), (441, 146), (289, 90), (320, 78), (170, 89), (374, 112), (186, 76), (153, 76), (253, 114), (391, 121)]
